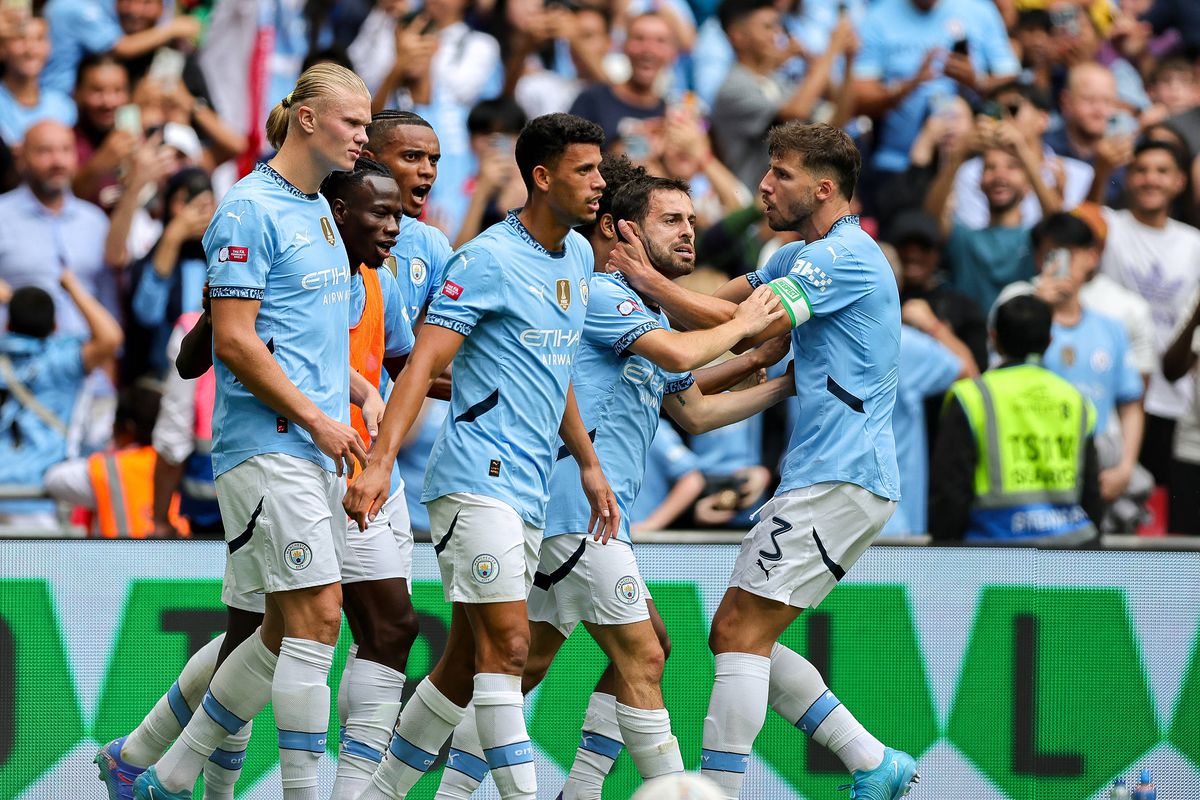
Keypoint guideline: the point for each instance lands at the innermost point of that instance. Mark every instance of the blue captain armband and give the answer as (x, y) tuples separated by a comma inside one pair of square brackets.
[(793, 298)]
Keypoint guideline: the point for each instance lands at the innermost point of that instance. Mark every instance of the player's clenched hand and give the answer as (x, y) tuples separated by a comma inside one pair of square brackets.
[(372, 413), (629, 257), (759, 310), (606, 516), (341, 443), (367, 495)]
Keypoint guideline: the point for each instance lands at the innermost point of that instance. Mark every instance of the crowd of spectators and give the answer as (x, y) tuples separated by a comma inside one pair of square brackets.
[(1049, 147)]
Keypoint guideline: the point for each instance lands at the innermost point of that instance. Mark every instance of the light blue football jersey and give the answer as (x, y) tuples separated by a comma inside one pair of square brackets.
[(847, 359), (620, 395), (668, 460), (1094, 356), (521, 308), (271, 242), (421, 253)]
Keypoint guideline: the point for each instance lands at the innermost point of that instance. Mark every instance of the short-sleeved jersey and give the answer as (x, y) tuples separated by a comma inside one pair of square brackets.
[(421, 254), (847, 358), (1094, 356), (521, 308), (667, 462), (397, 326), (271, 242), (620, 395)]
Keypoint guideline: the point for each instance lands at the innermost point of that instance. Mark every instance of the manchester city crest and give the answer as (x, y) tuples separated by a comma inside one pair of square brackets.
[(485, 568), (583, 290), (628, 590), (418, 271), (298, 555)]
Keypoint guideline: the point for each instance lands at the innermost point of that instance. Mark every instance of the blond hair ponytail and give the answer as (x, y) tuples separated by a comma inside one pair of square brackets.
[(320, 81)]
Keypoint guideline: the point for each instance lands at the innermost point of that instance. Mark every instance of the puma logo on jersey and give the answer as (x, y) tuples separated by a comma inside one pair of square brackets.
[(763, 567), (236, 217), (537, 290), (303, 238)]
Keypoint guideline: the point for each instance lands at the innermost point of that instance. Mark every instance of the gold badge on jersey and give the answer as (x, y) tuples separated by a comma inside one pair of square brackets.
[(327, 229), (1068, 356), (390, 264), (563, 292)]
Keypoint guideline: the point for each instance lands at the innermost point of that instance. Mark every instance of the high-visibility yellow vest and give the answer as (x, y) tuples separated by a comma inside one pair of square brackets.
[(1031, 429)]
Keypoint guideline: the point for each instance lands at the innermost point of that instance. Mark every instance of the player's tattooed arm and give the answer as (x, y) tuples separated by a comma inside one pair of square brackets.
[(698, 413), (606, 515)]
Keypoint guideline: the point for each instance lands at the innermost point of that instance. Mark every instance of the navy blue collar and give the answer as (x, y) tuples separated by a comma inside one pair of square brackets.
[(515, 222), (848, 219), (284, 183)]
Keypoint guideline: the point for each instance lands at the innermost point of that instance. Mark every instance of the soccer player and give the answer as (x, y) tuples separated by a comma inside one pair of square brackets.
[(509, 314), (279, 284), (629, 362), (839, 481)]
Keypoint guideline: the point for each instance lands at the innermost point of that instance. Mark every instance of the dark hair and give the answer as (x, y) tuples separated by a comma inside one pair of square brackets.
[(1168, 65), (383, 123), (1062, 230), (31, 312), (501, 115), (632, 201), (193, 180), (339, 183), (1023, 327), (544, 139), (731, 12), (137, 410), (1037, 97), (93, 60), (334, 54), (617, 170), (1034, 19), (1146, 145), (825, 150)]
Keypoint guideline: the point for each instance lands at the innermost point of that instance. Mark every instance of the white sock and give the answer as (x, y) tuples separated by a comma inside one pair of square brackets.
[(466, 766), (150, 739), (344, 687), (225, 765), (799, 695), (425, 724), (238, 691), (372, 694), (300, 697), (600, 743), (736, 712), (647, 734), (500, 718)]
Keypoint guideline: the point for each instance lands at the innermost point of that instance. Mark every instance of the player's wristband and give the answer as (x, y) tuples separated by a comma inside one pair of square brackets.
[(794, 300)]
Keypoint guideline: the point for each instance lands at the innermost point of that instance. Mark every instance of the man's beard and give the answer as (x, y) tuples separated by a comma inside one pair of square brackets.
[(665, 261)]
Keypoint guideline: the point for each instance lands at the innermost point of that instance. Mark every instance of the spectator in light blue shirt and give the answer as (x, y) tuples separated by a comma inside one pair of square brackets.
[(47, 230), (672, 482), (912, 55), (22, 101)]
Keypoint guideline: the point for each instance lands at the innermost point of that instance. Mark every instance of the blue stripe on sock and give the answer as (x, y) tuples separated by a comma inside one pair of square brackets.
[(509, 755), (301, 740), (228, 760), (410, 754), (721, 761), (220, 714), (179, 706), (353, 747), (342, 734), (601, 745), (468, 764), (821, 708)]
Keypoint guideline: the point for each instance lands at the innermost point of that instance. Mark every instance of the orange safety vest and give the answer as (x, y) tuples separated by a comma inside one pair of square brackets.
[(123, 482), (366, 344)]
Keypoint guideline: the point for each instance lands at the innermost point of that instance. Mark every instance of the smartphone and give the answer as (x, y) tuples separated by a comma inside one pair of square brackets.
[(503, 144), (1057, 263), (1065, 19), (637, 146), (167, 66), (994, 110), (1120, 125), (129, 118), (429, 28), (961, 47)]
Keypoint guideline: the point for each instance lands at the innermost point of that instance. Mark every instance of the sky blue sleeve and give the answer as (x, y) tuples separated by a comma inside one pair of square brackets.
[(151, 296), (1129, 380), (935, 367), (474, 286), (439, 253), (240, 245), (616, 317), (776, 266), (873, 55), (830, 277), (397, 328), (95, 30), (997, 49), (675, 457)]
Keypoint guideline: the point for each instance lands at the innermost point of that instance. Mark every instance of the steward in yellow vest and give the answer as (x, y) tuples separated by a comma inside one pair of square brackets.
[(1014, 462)]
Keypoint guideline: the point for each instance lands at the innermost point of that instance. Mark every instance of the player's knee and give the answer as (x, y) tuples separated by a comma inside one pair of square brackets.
[(535, 671), (403, 629), (725, 633), (503, 651)]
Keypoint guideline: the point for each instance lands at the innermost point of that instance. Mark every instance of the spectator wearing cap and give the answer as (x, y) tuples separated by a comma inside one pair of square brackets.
[(753, 98), (917, 238), (87, 27), (912, 59), (22, 100), (1028, 109), (101, 88), (46, 230), (1156, 257)]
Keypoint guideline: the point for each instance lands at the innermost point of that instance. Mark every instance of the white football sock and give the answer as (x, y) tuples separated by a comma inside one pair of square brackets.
[(647, 734), (344, 686), (150, 739), (600, 743), (300, 697), (799, 695), (425, 724), (736, 712), (372, 695), (466, 766), (238, 691), (225, 765), (500, 719)]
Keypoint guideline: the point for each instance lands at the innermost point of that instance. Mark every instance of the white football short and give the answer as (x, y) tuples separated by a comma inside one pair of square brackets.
[(284, 527), (806, 539), (486, 552), (581, 580), (384, 549)]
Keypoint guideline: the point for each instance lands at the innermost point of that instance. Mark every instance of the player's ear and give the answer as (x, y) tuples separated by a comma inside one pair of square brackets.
[(338, 207), (608, 226), (541, 178)]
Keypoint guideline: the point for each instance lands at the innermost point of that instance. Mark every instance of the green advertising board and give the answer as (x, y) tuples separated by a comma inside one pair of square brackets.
[(1009, 674)]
